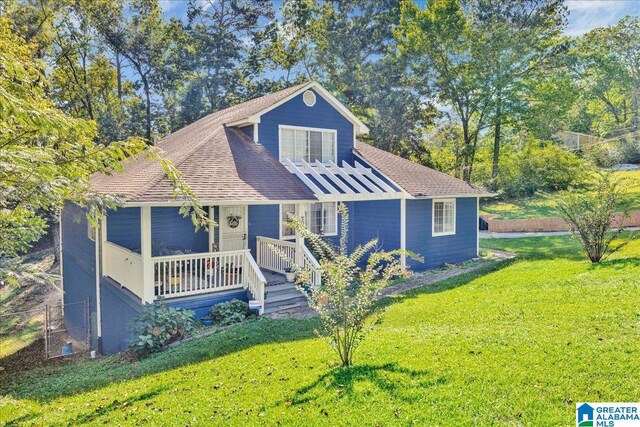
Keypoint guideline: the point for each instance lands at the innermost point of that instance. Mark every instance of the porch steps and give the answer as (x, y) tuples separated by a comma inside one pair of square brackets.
[(283, 296)]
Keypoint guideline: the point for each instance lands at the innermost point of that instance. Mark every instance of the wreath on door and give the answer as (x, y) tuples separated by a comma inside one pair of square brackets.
[(234, 221)]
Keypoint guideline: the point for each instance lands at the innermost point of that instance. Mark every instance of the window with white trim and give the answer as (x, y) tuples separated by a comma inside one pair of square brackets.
[(320, 218), (297, 144), (444, 217)]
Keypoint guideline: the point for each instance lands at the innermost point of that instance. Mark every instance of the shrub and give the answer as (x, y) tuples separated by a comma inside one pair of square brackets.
[(590, 216), (542, 168), (158, 325), (348, 291), (227, 313)]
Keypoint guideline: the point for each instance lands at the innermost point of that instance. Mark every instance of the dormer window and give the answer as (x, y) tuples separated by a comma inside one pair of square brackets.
[(308, 144)]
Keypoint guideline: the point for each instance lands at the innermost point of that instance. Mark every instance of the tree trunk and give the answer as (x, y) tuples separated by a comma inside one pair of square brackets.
[(496, 146), (119, 76), (496, 158), (147, 110), (635, 96), (55, 233)]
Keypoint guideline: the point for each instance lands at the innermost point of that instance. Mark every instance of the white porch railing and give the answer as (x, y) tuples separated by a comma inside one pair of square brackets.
[(310, 262), (193, 274), (184, 275), (269, 259), (123, 266)]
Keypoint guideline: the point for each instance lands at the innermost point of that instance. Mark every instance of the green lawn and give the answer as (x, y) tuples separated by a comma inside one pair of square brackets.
[(514, 344), (543, 207)]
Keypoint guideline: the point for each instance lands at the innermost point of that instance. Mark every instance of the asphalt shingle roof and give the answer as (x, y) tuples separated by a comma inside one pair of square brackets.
[(217, 162), (415, 179)]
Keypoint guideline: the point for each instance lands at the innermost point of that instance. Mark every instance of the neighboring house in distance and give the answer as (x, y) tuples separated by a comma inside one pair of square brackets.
[(250, 165)]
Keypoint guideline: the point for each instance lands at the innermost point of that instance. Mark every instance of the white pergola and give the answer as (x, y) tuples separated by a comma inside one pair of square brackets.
[(335, 183)]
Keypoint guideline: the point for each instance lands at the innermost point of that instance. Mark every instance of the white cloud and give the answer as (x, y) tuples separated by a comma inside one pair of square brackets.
[(585, 15)]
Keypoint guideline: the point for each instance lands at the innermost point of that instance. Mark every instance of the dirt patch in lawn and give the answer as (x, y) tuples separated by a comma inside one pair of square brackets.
[(22, 310)]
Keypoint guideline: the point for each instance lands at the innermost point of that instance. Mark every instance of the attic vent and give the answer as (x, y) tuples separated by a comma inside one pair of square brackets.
[(309, 98)]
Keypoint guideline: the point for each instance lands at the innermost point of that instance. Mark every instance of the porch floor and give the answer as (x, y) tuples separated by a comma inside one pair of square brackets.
[(273, 278)]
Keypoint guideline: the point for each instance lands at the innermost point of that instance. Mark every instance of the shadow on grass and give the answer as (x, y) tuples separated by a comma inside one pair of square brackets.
[(116, 405), (396, 381), (616, 264), (51, 382)]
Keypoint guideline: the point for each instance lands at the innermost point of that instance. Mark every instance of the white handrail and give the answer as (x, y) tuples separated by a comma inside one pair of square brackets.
[(309, 262), (255, 281), (270, 259)]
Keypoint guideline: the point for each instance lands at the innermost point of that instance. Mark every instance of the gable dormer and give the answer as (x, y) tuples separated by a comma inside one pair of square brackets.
[(310, 124)]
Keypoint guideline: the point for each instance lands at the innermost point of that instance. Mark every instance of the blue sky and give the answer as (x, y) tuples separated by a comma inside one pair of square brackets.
[(584, 14)]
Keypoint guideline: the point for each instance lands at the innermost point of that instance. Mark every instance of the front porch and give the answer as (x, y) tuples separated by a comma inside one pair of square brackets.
[(150, 273)]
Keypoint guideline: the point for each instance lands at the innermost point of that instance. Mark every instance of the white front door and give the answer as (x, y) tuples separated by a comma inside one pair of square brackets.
[(233, 228)]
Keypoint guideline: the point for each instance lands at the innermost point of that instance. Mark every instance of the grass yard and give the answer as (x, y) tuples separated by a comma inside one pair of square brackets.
[(539, 206), (513, 344)]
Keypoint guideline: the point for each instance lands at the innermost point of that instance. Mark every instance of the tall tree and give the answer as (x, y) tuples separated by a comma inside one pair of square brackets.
[(354, 52), (477, 57), (522, 39), (223, 33), (136, 32), (441, 43)]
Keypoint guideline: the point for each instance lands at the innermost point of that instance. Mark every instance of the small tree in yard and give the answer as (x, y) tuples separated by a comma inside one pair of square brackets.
[(590, 216), (348, 292)]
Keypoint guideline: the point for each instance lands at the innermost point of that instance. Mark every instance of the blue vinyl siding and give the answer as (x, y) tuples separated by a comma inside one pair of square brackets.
[(170, 230), (441, 249), (174, 232), (295, 113), (79, 269), (119, 307), (377, 219), (123, 228), (264, 220)]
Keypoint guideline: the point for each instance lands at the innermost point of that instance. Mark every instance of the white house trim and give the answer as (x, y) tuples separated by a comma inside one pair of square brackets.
[(478, 227), (331, 179), (403, 231), (433, 222), (145, 252)]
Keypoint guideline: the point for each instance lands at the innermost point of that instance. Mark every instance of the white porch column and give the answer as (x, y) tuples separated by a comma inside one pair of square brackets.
[(145, 251), (403, 230), (299, 238)]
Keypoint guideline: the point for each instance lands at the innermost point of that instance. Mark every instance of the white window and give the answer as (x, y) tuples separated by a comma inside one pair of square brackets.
[(320, 218), (444, 217), (297, 144), (92, 232)]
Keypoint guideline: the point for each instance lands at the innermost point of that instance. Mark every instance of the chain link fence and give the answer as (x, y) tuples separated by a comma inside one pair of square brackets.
[(64, 338)]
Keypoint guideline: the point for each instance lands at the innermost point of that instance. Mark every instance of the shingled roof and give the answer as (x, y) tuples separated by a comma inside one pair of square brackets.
[(415, 179), (217, 162)]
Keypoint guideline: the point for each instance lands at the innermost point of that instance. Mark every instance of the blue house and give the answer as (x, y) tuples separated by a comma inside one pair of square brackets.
[(296, 152)]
